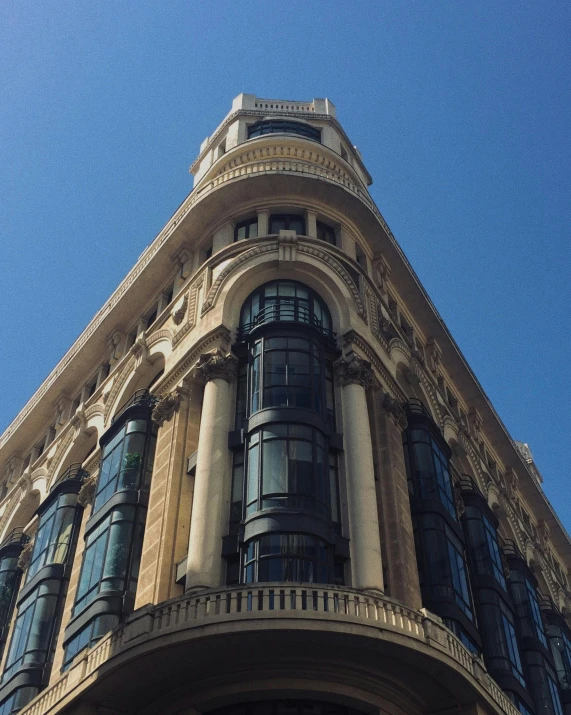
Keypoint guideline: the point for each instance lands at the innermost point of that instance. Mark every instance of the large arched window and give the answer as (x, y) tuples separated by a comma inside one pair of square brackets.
[(285, 511), (285, 302)]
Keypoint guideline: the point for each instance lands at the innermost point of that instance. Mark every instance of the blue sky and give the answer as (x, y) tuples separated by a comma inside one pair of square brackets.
[(460, 108)]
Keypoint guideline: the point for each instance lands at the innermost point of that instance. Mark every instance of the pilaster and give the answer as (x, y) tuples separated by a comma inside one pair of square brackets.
[(393, 502), (177, 415)]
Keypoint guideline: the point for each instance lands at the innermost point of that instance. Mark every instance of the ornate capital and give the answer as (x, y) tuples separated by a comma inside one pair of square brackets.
[(395, 410), (87, 491), (167, 405), (355, 371), (216, 364)]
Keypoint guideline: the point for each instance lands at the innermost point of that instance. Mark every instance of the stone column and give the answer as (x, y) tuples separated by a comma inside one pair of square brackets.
[(394, 505), (355, 375), (211, 501)]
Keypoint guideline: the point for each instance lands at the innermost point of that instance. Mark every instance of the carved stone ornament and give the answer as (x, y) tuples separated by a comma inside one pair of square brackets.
[(217, 364), (395, 410), (355, 371), (167, 405), (180, 312), (87, 491), (458, 501), (26, 555)]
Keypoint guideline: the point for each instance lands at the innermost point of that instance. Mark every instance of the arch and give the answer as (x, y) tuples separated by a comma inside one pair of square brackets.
[(22, 508), (285, 300), (413, 386), (132, 378), (77, 451), (315, 274)]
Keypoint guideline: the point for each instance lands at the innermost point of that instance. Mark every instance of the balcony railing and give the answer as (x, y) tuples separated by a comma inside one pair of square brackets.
[(274, 603), (143, 398), (74, 471), (16, 536), (285, 313), (415, 407)]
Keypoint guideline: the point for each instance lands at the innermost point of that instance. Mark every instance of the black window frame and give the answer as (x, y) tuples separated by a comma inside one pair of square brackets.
[(284, 126), (287, 220), (327, 233), (247, 225)]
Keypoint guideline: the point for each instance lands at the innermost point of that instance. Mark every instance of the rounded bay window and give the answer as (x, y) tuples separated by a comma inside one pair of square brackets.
[(285, 501)]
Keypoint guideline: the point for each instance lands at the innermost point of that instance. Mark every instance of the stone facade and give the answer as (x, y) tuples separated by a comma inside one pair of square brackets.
[(280, 198)]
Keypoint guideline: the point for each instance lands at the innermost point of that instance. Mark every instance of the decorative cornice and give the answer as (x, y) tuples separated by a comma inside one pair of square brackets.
[(167, 405), (216, 365), (395, 409), (355, 371)]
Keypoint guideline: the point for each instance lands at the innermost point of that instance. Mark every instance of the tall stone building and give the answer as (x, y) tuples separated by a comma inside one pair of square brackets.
[(264, 481)]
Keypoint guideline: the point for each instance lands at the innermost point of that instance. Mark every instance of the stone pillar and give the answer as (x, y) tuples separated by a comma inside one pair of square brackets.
[(263, 221), (311, 224), (394, 505), (170, 498), (211, 501), (355, 375)]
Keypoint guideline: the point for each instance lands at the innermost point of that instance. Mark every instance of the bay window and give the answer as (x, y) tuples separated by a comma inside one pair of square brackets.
[(114, 532), (284, 515)]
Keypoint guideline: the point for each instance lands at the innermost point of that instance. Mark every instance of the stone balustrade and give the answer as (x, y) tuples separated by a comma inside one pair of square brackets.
[(270, 602)]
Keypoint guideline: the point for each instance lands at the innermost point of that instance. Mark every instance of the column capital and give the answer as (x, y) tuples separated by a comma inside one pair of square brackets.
[(216, 364), (396, 411), (168, 403), (355, 371)]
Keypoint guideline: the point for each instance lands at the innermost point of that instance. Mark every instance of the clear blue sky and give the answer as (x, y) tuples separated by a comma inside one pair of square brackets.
[(460, 108)]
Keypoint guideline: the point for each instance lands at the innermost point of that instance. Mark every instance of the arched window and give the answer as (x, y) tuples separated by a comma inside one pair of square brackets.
[(285, 501), (285, 302)]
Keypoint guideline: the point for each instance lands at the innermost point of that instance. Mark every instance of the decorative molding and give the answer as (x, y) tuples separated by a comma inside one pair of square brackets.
[(118, 382), (221, 335), (26, 555), (396, 411), (157, 336), (355, 371), (178, 314), (214, 291), (191, 314), (167, 405), (62, 449), (352, 338), (87, 491), (338, 267), (216, 365)]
